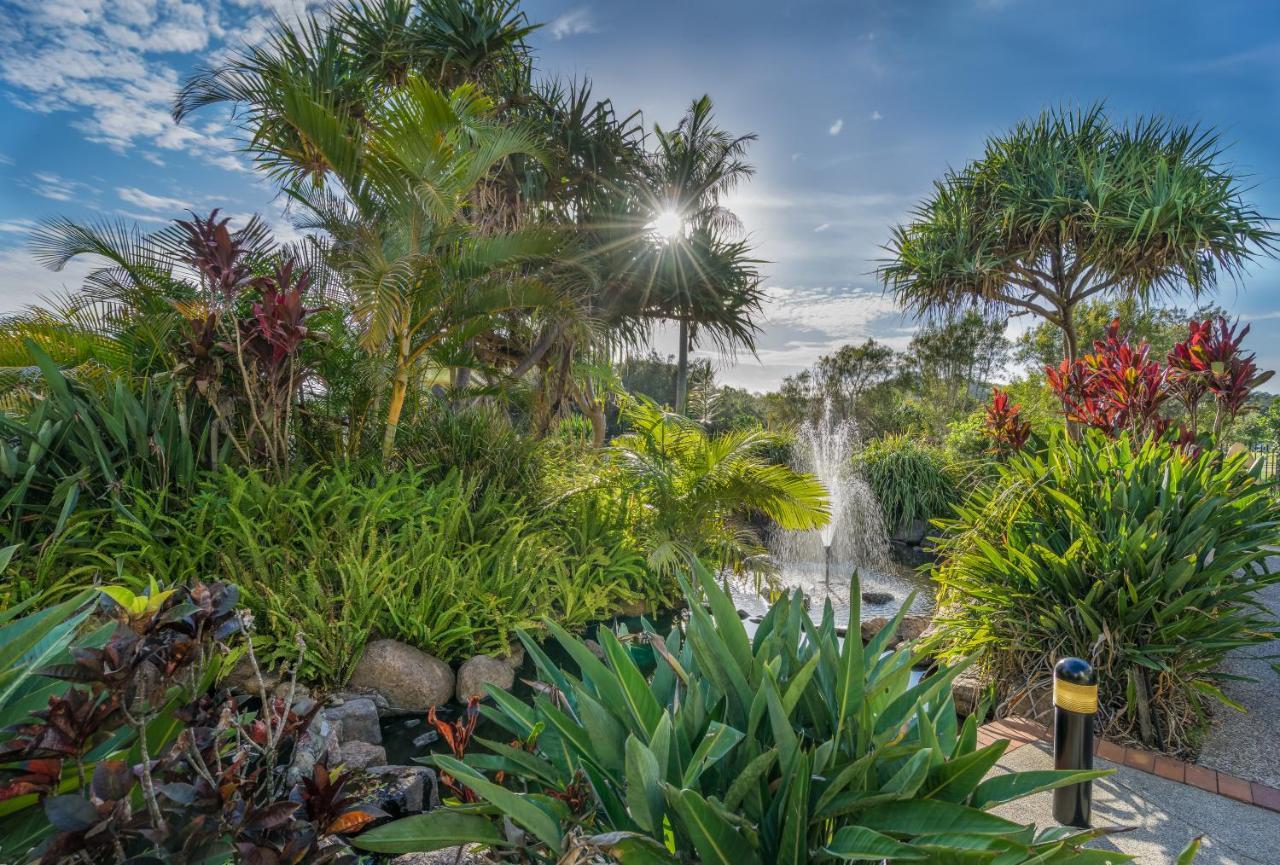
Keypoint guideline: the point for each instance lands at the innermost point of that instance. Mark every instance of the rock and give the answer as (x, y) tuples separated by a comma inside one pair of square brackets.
[(912, 627), (407, 677), (318, 742), (515, 655), (356, 720), (870, 627), (449, 856), (877, 597), (362, 755), (422, 740), (633, 609), (241, 678), (911, 533), (411, 723), (337, 698), (743, 614), (967, 691), (404, 790), (483, 670), (284, 687)]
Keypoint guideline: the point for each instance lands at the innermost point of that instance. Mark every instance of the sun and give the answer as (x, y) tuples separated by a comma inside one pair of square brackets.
[(667, 226)]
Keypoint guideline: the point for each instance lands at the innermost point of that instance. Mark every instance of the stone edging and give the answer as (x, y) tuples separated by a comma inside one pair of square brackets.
[(1020, 731)]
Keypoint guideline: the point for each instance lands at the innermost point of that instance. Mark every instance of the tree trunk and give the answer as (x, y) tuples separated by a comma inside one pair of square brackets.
[(399, 388), (682, 368), (1070, 340), (537, 353)]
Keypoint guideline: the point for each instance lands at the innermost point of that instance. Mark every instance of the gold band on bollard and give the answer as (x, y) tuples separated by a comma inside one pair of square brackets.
[(1075, 698)]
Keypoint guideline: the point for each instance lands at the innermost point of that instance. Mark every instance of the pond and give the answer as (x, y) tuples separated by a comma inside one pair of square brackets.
[(408, 737)]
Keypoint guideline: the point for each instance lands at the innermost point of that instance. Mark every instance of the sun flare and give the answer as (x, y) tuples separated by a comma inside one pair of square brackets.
[(668, 225)]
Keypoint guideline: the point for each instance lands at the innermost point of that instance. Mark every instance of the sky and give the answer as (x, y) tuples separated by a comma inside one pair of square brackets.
[(858, 104)]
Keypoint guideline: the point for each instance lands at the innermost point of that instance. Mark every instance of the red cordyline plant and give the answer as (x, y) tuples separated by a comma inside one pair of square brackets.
[(1004, 423), (1116, 388), (1212, 361), (1119, 388), (245, 366)]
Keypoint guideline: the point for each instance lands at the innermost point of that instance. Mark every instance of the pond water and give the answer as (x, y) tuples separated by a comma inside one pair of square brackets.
[(885, 589), (408, 737)]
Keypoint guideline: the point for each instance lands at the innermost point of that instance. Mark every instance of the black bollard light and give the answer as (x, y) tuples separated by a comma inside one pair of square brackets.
[(1075, 702)]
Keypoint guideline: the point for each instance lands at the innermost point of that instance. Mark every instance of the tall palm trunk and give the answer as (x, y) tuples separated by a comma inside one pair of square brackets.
[(399, 389), (682, 367)]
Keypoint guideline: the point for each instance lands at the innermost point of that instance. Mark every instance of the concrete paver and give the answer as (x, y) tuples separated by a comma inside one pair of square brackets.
[(1247, 744), (1160, 816)]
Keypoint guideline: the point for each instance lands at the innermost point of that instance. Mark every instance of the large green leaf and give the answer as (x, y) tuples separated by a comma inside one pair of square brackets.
[(434, 830)]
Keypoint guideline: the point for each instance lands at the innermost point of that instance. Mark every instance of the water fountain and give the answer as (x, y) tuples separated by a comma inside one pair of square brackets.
[(821, 562)]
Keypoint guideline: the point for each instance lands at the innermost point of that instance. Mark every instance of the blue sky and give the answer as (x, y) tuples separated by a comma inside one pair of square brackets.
[(858, 105)]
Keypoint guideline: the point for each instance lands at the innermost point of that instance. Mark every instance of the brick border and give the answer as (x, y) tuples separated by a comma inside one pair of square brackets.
[(1021, 731)]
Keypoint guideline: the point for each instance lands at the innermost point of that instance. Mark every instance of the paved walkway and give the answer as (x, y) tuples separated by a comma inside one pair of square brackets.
[(1161, 816), (1247, 745)]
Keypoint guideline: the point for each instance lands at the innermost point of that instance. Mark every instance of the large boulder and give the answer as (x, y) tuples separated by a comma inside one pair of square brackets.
[(912, 627), (407, 677), (911, 532), (356, 720), (483, 670)]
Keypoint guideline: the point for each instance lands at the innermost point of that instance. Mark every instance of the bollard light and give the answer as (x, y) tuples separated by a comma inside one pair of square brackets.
[(1075, 702)]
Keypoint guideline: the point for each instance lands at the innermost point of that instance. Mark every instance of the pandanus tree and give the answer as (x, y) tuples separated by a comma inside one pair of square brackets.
[(1070, 206), (397, 206)]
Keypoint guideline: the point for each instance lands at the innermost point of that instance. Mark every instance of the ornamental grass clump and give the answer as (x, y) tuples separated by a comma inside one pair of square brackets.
[(1142, 556)]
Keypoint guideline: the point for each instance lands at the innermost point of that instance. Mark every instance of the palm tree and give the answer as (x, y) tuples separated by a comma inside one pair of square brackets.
[(695, 166), (699, 489), (357, 55), (1069, 206), (422, 281)]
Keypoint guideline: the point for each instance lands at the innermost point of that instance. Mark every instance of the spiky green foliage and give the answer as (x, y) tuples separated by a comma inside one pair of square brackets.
[(1136, 556), (340, 558), (1070, 205), (789, 747), (80, 447), (698, 490), (911, 480)]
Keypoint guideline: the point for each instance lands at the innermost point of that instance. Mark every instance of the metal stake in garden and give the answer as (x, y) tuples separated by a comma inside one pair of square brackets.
[(1075, 702)]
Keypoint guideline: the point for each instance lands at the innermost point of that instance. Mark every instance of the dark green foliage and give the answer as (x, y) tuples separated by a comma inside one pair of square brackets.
[(81, 447), (910, 478), (791, 746), (1141, 558)]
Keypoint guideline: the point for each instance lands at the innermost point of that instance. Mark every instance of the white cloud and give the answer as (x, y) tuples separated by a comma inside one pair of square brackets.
[(823, 227), (575, 22), (108, 62), (876, 115), (16, 226), (147, 201), (46, 184), (835, 128), (23, 281), (6, 160)]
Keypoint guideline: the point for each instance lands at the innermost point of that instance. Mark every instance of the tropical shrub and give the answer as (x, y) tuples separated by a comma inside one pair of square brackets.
[(911, 479), (341, 557), (1139, 556), (696, 491), (134, 758), (83, 447), (788, 747), (480, 442)]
